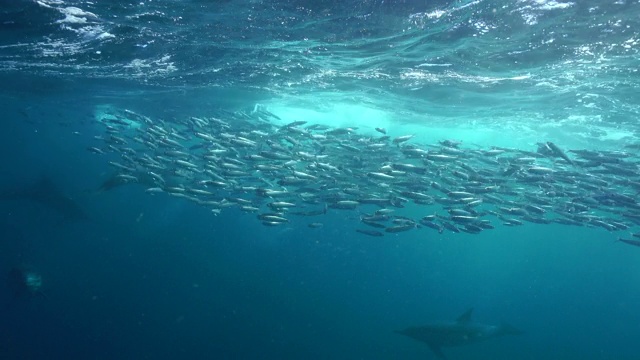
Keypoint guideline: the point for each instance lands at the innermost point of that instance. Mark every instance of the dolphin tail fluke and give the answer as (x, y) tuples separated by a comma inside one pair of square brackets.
[(438, 351), (506, 329)]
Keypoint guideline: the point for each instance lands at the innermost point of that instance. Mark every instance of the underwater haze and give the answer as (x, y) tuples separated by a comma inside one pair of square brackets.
[(254, 179)]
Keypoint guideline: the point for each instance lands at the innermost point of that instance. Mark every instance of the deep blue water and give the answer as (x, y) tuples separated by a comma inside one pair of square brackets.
[(155, 277)]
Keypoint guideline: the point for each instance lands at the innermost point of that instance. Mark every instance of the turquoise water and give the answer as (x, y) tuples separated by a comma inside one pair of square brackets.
[(158, 277)]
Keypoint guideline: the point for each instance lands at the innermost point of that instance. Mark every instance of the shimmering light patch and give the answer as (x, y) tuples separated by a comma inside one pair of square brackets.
[(427, 128), (531, 9), (56, 48), (436, 14), (161, 66), (74, 15), (433, 65), (630, 43), (419, 75), (364, 118), (485, 79), (552, 5), (420, 19)]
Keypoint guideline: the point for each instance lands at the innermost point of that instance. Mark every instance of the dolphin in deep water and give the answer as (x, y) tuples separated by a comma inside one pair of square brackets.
[(457, 333), (45, 192)]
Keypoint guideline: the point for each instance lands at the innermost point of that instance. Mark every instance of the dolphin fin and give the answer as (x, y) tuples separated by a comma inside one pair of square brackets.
[(437, 350), (465, 318)]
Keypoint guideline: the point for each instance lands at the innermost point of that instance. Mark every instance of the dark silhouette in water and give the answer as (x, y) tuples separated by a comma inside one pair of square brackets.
[(24, 283), (630, 241), (111, 183), (117, 180), (44, 192), (456, 333)]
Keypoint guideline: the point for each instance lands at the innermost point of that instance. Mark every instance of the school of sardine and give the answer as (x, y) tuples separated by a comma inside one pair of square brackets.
[(245, 161)]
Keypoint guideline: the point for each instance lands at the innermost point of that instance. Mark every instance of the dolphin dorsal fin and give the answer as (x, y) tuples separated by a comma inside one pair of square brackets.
[(466, 317)]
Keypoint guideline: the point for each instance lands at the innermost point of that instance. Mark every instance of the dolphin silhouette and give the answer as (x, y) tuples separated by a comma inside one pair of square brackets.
[(45, 192), (456, 333)]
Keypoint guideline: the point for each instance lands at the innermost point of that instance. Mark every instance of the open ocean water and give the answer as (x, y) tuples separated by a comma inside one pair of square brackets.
[(158, 199)]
